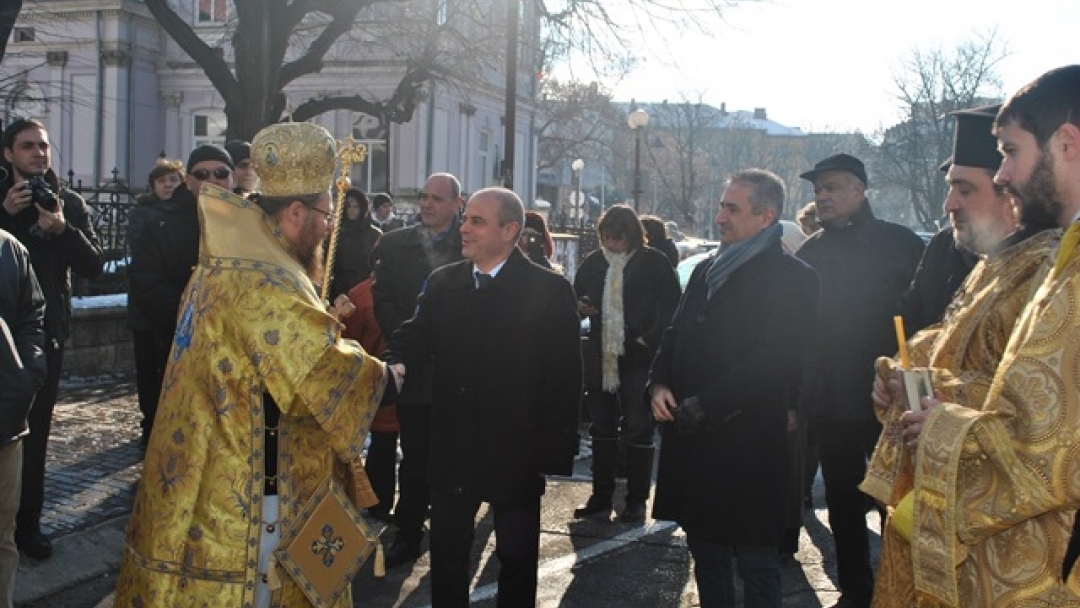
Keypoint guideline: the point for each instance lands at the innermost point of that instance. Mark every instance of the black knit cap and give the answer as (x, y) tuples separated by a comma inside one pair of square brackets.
[(209, 152), (838, 162), (974, 143), (238, 149)]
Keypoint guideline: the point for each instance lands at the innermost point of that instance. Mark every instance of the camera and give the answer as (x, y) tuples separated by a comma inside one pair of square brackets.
[(41, 193)]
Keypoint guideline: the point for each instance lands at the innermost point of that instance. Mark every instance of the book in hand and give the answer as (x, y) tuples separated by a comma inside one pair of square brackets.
[(916, 386)]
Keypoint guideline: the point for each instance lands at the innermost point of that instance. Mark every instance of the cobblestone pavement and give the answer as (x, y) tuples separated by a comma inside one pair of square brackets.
[(94, 460)]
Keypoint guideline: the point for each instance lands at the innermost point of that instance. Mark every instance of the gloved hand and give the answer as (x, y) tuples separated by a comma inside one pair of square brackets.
[(690, 416)]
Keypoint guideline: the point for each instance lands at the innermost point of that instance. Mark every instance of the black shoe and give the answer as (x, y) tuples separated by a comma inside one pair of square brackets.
[(633, 513), (35, 545), (594, 508), (403, 551), (382, 515)]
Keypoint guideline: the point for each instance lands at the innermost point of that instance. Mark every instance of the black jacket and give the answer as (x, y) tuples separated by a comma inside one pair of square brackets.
[(650, 294), (741, 355), (507, 377), (400, 275), (55, 256), (164, 252), (864, 266), (942, 269), (22, 338), (352, 263)]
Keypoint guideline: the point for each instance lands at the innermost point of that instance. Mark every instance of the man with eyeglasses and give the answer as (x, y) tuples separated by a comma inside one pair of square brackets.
[(407, 257), (165, 248), (53, 223)]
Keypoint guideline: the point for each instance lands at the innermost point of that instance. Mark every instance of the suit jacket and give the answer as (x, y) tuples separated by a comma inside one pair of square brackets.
[(507, 377), (399, 277), (741, 355)]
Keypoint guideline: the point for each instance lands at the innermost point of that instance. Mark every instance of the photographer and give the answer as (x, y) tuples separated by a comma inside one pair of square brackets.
[(54, 225)]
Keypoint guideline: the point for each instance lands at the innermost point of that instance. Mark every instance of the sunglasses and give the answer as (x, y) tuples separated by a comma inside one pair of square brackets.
[(204, 174)]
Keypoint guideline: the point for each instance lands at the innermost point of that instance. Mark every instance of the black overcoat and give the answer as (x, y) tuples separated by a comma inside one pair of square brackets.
[(741, 354), (507, 377)]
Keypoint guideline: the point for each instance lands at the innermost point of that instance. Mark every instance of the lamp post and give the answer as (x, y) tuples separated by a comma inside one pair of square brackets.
[(637, 121), (576, 167)]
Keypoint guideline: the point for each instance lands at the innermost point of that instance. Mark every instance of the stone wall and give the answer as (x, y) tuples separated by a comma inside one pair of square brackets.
[(99, 345)]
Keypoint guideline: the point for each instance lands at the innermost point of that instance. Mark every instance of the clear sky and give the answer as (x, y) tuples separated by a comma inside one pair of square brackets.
[(829, 65)]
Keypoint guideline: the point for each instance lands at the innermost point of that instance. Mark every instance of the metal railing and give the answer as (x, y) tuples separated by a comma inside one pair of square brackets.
[(110, 205)]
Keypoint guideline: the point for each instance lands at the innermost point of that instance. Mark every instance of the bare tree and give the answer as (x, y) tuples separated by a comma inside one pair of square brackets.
[(932, 84)]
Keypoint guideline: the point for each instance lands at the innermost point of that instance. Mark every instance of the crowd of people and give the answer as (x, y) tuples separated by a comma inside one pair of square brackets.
[(455, 339)]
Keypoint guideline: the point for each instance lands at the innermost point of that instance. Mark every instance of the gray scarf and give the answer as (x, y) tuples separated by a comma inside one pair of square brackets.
[(728, 259)]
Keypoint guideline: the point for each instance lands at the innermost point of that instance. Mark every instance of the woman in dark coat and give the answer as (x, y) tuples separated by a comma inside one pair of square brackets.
[(629, 289), (357, 237)]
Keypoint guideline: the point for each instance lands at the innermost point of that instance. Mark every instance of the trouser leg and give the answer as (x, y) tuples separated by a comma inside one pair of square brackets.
[(844, 450), (452, 532), (415, 436), (10, 486), (381, 466), (517, 545), (713, 572), (35, 445)]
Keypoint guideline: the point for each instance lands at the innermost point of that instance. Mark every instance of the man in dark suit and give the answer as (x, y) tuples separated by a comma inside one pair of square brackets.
[(407, 257), (502, 333), (726, 381)]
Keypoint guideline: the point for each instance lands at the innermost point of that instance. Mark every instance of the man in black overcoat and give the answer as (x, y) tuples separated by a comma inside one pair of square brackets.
[(503, 337), (725, 384)]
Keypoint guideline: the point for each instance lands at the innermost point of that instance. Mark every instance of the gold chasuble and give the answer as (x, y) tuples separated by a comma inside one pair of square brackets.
[(996, 487), (963, 352), (250, 323)]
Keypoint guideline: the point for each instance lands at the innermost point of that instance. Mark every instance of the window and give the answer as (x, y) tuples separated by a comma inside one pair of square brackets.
[(442, 11), (208, 129), (211, 11), (23, 34), (373, 174), (483, 156)]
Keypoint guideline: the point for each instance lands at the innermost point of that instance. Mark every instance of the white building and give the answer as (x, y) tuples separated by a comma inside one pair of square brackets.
[(114, 90)]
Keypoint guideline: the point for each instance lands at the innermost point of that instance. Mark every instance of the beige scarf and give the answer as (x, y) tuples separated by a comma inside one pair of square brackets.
[(613, 330)]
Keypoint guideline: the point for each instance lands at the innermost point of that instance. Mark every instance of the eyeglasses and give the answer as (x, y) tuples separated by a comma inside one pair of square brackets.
[(327, 215), (204, 174)]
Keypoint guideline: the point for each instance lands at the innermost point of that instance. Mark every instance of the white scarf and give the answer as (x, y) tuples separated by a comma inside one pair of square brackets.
[(613, 328)]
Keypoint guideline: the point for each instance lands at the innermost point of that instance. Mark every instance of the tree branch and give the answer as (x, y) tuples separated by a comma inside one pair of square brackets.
[(208, 58), (310, 62)]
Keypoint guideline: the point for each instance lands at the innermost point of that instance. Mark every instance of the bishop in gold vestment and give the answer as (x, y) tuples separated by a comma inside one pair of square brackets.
[(251, 323)]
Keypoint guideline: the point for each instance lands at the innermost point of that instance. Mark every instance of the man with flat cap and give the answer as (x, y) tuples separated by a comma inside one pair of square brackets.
[(263, 400), (864, 264), (964, 350)]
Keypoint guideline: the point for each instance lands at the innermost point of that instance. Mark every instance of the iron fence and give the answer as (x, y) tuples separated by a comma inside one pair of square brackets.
[(110, 205)]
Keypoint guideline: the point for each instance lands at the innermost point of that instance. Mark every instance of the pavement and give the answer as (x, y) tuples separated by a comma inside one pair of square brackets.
[(94, 464)]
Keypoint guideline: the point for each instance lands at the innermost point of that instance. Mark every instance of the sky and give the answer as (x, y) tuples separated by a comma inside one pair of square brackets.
[(829, 65)]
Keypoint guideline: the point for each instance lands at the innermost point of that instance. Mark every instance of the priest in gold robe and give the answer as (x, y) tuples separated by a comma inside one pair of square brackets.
[(996, 480), (262, 399), (963, 351)]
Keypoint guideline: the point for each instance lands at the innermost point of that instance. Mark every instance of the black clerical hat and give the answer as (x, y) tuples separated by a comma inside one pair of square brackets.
[(974, 144)]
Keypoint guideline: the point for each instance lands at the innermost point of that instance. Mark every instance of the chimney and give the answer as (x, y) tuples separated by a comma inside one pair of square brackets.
[(759, 114), (723, 108)]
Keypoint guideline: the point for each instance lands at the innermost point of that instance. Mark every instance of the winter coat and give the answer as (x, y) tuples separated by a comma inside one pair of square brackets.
[(864, 266), (507, 377), (22, 338), (164, 252), (55, 256), (352, 263), (741, 355)]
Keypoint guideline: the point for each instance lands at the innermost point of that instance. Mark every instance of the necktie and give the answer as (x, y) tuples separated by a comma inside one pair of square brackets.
[(1068, 245), (482, 280)]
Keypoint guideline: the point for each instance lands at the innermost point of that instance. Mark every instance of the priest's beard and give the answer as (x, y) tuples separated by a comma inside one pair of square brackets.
[(1039, 204), (310, 248)]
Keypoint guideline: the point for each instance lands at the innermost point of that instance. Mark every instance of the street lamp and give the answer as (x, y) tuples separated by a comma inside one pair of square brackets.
[(637, 121), (576, 167)]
